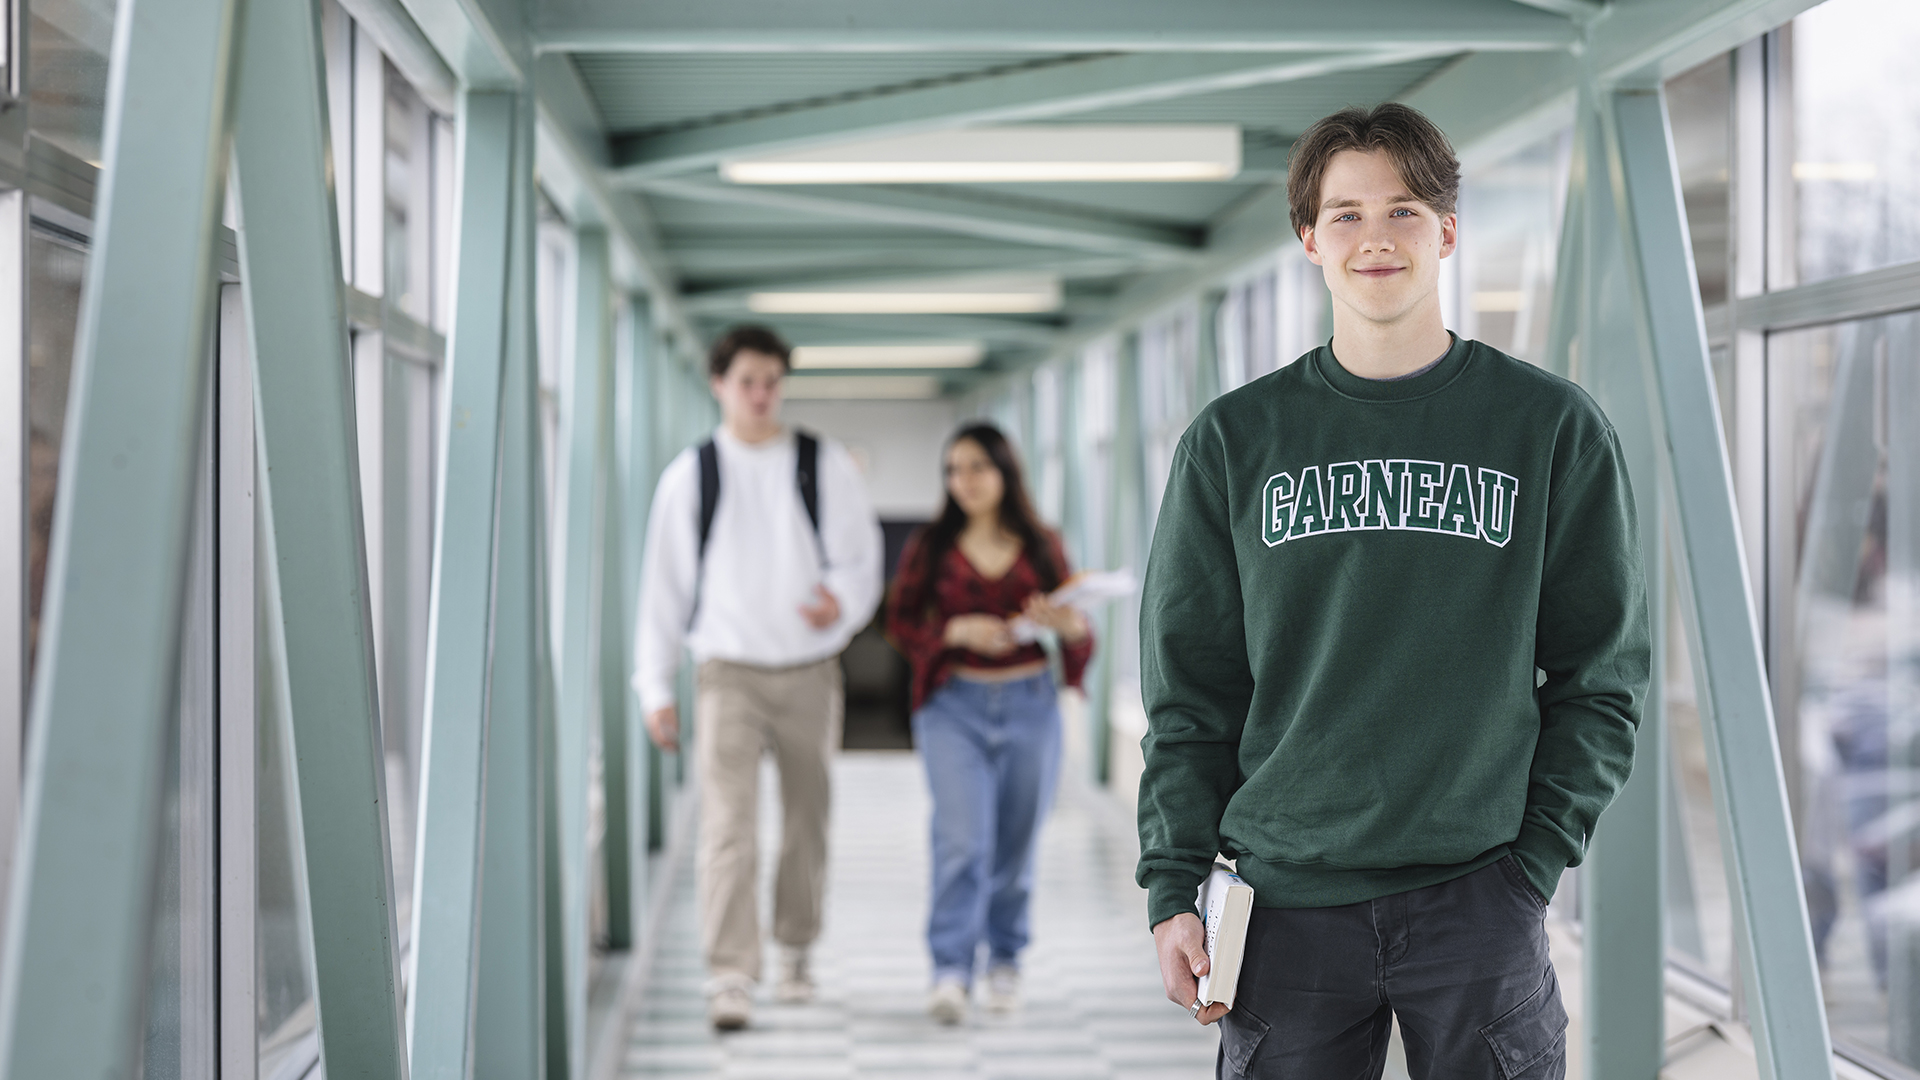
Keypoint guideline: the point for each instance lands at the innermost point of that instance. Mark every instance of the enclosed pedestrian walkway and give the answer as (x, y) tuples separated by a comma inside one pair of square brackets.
[(342, 343)]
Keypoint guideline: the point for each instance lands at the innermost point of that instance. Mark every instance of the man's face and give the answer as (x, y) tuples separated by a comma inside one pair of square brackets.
[(749, 393), (1379, 247)]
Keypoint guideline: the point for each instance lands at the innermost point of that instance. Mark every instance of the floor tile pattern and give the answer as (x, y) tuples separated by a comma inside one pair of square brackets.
[(1094, 1009)]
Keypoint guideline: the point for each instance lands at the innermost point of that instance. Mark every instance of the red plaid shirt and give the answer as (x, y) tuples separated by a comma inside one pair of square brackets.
[(919, 609)]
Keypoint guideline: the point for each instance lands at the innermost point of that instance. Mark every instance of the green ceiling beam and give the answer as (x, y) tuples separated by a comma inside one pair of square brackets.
[(734, 295), (1572, 9), (858, 329), (946, 213), (705, 272), (570, 171), (481, 40), (1096, 83), (1022, 26)]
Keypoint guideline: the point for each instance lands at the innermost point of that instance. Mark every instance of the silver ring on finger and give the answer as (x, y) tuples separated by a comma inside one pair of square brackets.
[(1195, 1008)]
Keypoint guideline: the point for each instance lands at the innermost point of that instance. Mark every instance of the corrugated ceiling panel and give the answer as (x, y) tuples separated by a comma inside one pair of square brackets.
[(642, 92)]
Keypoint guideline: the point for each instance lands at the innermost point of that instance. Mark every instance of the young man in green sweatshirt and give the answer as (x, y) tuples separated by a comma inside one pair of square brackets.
[(1394, 648)]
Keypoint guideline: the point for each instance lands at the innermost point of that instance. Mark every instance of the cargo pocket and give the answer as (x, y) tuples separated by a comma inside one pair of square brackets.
[(1240, 1035), (1531, 1039)]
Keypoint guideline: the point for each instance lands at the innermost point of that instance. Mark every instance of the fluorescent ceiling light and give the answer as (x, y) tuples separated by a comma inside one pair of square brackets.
[(1835, 170), (842, 387), (923, 354), (1499, 300), (1048, 153), (1011, 294)]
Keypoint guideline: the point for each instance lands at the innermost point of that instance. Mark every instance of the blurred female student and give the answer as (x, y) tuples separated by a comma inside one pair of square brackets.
[(970, 596)]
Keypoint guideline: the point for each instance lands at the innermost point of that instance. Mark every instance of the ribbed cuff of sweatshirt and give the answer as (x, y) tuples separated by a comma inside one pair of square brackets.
[(1170, 892), (1543, 855)]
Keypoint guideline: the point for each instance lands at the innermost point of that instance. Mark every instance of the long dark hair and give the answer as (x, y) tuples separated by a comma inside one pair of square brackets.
[(1016, 510)]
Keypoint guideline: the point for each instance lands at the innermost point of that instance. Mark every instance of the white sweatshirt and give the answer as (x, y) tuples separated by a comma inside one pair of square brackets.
[(762, 563)]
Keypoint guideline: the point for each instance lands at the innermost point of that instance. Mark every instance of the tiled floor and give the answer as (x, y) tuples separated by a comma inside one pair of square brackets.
[(1094, 1008)]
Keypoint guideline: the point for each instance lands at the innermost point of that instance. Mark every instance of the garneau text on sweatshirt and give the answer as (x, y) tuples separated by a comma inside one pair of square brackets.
[(1390, 632)]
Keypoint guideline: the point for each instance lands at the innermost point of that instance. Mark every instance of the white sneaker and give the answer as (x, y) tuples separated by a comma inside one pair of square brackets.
[(1003, 988), (948, 1002), (796, 976), (730, 1004)]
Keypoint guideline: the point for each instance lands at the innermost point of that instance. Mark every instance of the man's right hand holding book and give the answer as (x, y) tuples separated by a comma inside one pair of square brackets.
[(1182, 944)]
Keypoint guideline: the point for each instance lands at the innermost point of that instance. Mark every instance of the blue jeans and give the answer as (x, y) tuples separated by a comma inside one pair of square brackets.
[(992, 752)]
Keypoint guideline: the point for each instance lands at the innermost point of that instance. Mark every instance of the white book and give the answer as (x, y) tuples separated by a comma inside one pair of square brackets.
[(1084, 590), (1225, 903)]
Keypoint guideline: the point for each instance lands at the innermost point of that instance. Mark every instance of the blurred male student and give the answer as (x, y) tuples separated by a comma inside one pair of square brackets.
[(763, 559)]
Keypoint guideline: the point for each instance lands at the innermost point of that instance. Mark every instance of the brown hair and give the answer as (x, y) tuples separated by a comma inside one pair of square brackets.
[(1420, 154), (752, 336)]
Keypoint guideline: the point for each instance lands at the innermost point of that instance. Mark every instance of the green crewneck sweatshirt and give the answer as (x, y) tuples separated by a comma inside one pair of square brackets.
[(1391, 631)]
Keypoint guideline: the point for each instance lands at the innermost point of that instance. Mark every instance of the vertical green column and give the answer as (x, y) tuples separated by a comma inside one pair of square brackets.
[(1622, 898), (1779, 973), (1206, 375), (1122, 523), (578, 660), (103, 702), (1074, 528), (510, 1023), (446, 907), (291, 274), (616, 777), (634, 427)]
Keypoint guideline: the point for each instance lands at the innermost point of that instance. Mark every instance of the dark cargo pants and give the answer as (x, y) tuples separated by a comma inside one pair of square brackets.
[(1463, 964)]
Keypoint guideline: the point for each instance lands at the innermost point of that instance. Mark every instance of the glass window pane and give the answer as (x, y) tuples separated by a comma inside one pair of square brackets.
[(1245, 332), (1848, 680), (409, 197), (1169, 362), (289, 1040), (56, 265), (68, 42), (1856, 136), (1509, 246), (1700, 107)]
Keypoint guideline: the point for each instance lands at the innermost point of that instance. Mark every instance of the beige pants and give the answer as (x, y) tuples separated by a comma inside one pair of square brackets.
[(742, 712)]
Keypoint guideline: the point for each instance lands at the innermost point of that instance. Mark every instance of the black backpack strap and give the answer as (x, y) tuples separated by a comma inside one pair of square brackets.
[(808, 475), (709, 492)]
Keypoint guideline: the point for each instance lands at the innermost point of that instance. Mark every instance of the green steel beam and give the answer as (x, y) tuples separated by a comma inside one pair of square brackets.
[(1482, 95), (1572, 9), (617, 776), (488, 49), (1095, 83), (578, 549), (73, 982), (1621, 893), (713, 275), (453, 783), (1206, 377), (736, 297), (948, 212), (633, 456), (570, 160), (509, 1030), (852, 329), (1570, 264), (290, 270), (1781, 978), (1014, 26)]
